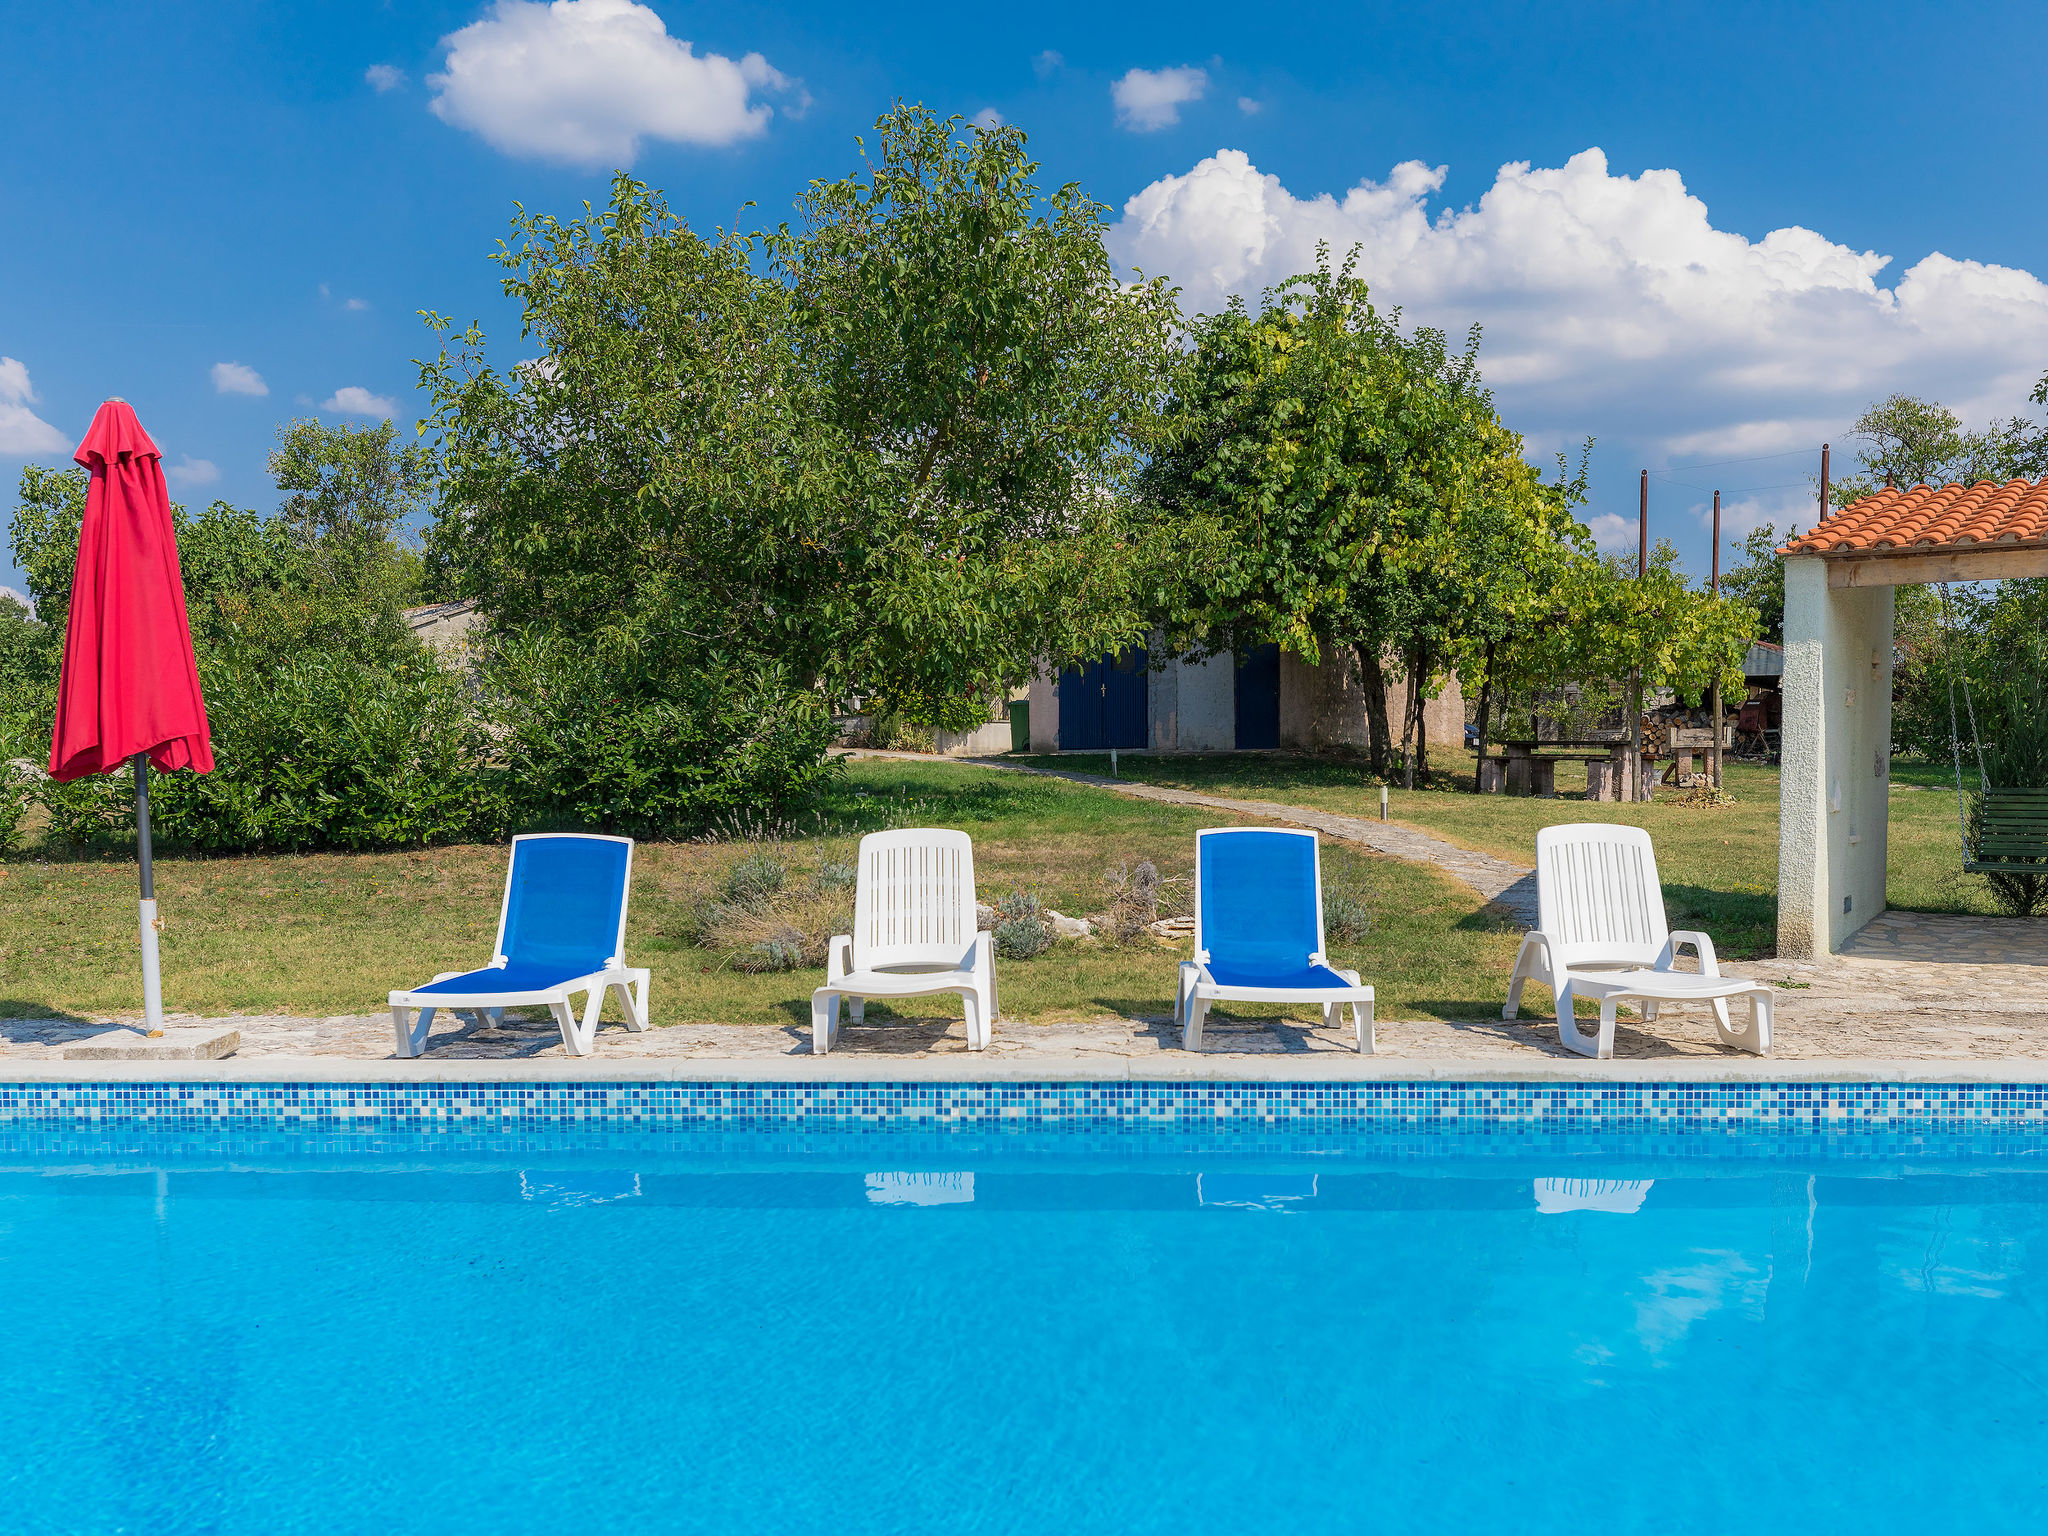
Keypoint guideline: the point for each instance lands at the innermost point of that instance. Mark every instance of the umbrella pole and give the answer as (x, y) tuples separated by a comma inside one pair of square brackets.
[(152, 978)]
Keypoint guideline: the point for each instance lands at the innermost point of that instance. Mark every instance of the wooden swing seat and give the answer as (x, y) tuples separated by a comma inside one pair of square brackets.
[(2012, 832)]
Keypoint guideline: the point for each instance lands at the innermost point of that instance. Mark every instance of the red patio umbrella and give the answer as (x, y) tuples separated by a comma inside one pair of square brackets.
[(130, 687)]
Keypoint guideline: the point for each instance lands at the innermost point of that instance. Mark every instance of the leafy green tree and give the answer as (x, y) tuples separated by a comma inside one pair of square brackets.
[(991, 389), (1327, 448), (1759, 580), (886, 450), (1517, 559), (1909, 441)]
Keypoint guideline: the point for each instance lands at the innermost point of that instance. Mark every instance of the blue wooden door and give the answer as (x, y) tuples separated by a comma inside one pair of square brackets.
[(1103, 704), (1258, 698), (1081, 708), (1124, 698)]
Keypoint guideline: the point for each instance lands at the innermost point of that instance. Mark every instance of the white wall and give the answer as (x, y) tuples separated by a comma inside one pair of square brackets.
[(1162, 707), (1208, 705), (1834, 785)]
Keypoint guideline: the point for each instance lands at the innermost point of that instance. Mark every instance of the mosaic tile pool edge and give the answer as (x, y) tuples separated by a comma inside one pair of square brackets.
[(1752, 1105)]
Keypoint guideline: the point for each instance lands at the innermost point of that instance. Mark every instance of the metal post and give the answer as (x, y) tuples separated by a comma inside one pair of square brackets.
[(1823, 482), (152, 976), (1383, 802), (1714, 752)]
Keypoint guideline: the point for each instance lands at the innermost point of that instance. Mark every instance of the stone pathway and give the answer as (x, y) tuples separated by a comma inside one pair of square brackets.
[(1510, 886), (1810, 1028)]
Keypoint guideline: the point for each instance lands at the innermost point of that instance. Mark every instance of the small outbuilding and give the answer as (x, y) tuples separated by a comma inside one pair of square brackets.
[(1267, 699), (1834, 789)]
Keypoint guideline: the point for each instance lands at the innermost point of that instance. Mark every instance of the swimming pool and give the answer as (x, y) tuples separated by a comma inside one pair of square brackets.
[(777, 1325)]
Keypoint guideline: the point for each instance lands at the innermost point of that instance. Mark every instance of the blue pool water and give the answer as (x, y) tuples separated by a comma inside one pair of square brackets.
[(786, 1330)]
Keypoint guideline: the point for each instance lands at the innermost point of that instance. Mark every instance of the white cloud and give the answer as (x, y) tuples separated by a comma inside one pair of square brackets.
[(1150, 99), (582, 82), (987, 117), (238, 379), (357, 304), (1249, 107), (384, 77), (354, 400), (1614, 307), (1613, 533), (189, 471), (23, 433), (1048, 64)]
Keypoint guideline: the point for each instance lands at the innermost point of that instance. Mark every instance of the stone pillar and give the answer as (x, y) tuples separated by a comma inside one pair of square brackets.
[(1835, 780), (1045, 713)]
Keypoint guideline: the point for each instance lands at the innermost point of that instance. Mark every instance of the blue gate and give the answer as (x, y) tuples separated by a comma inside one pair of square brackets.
[(1103, 704), (1258, 698)]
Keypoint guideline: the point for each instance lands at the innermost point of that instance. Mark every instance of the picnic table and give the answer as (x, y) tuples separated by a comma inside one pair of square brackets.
[(1530, 767)]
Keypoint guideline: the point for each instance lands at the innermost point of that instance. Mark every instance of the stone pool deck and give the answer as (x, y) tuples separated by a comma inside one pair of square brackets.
[(1916, 996)]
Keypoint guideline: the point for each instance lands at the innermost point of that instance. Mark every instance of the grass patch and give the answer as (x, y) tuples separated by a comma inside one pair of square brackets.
[(332, 933), (1719, 865)]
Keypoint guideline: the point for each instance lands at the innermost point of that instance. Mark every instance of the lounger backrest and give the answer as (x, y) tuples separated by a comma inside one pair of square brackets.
[(1597, 894), (914, 904), (565, 900), (1258, 896)]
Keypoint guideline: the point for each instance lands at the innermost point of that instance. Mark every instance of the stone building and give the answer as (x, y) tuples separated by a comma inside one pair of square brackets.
[(1265, 700)]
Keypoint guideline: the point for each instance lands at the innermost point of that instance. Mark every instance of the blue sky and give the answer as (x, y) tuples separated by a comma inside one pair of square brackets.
[(208, 201)]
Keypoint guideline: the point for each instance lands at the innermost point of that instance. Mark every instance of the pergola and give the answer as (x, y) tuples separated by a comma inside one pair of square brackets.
[(1835, 782)]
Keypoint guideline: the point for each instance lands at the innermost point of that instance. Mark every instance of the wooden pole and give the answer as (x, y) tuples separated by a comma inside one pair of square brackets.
[(1714, 751), (1823, 482), (1641, 787), (1643, 528)]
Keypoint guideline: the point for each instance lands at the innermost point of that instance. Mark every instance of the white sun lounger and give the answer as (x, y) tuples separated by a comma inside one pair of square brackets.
[(914, 934), (1601, 934)]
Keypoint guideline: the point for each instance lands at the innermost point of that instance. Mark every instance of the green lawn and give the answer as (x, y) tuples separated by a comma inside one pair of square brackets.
[(333, 933), (1719, 864)]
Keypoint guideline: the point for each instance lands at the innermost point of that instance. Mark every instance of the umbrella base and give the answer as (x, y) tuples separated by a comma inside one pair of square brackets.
[(176, 1043)]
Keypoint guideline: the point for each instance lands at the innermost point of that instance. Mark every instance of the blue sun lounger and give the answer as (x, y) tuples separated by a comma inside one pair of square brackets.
[(561, 929), (1259, 931)]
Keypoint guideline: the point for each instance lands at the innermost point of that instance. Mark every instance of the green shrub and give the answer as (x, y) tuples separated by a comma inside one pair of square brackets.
[(755, 878), (1022, 929), (598, 745), (327, 751)]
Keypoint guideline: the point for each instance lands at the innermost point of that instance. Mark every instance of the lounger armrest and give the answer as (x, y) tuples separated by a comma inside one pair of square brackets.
[(981, 959), (1536, 938), (1537, 960), (1702, 946), (838, 958)]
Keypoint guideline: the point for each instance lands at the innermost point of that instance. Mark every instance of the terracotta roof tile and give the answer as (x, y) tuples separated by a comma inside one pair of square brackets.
[(1934, 517)]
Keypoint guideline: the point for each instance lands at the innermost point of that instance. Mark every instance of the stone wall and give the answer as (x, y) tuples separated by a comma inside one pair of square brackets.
[(1323, 707)]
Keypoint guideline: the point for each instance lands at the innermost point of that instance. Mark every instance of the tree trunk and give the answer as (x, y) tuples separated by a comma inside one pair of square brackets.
[(1373, 676), (1421, 740), (1635, 735), (1411, 717), (1485, 702), (1714, 752)]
